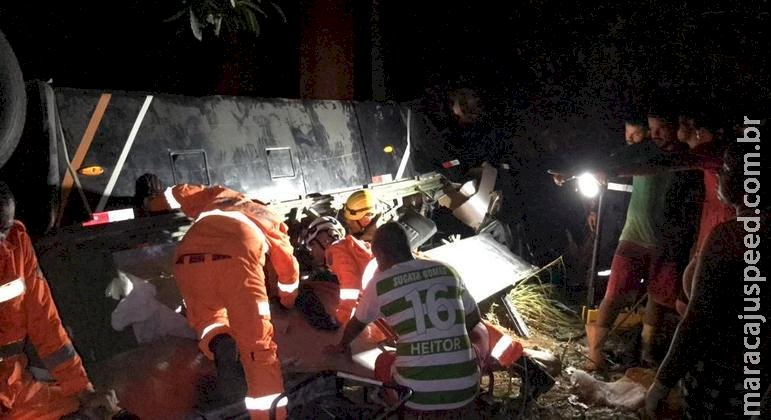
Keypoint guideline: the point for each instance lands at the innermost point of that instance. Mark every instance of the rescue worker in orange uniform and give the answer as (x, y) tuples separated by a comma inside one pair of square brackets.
[(348, 258), (321, 233), (147, 189), (319, 290), (219, 271), (27, 312)]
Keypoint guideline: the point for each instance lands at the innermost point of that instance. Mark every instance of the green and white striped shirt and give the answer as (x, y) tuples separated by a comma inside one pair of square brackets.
[(424, 302)]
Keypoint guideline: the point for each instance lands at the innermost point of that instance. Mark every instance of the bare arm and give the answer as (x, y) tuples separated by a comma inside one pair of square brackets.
[(472, 319), (353, 328), (667, 162), (647, 159), (692, 337)]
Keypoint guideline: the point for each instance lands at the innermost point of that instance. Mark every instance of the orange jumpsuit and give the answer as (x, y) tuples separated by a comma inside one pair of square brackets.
[(348, 258), (219, 268), (27, 311)]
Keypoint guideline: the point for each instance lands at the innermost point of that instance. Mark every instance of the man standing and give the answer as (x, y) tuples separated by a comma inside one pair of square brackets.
[(27, 312), (219, 270), (654, 243)]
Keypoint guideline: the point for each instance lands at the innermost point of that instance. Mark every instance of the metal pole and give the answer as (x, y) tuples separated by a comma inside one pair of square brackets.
[(519, 323), (595, 251)]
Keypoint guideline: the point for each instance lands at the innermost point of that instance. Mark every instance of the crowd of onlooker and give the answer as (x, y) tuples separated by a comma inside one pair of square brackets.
[(684, 240), (680, 245)]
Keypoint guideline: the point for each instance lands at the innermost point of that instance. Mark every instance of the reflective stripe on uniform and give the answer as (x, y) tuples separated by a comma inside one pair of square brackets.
[(289, 288), (349, 294), (263, 308), (237, 215), (264, 403), (12, 289), (170, 200), (65, 353), (500, 347), (209, 328)]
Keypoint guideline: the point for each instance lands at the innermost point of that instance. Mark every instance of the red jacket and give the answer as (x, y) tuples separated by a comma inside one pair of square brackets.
[(27, 310)]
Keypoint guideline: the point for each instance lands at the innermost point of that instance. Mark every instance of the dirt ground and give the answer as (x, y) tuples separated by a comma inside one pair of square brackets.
[(561, 402), (554, 326)]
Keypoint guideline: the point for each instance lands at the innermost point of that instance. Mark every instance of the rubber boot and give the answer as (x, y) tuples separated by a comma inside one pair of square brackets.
[(535, 380), (595, 340), (231, 380)]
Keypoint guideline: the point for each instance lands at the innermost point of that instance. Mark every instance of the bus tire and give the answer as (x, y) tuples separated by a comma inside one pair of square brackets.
[(13, 101)]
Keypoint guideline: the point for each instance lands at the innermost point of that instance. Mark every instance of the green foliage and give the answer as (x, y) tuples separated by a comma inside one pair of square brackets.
[(537, 302), (212, 17)]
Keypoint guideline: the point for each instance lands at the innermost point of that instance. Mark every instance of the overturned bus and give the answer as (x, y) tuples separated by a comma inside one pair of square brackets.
[(74, 171)]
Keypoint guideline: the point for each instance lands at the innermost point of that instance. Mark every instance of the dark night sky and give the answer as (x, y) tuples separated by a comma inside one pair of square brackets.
[(569, 59), (125, 45)]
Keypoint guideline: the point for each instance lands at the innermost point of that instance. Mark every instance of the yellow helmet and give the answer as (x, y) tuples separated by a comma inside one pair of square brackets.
[(360, 204)]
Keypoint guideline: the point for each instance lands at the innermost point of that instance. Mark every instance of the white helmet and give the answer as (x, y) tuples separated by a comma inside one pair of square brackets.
[(321, 224)]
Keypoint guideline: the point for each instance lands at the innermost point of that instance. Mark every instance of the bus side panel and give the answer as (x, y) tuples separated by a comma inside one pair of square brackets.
[(384, 133)]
